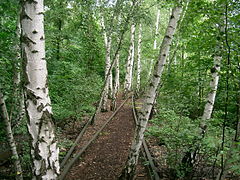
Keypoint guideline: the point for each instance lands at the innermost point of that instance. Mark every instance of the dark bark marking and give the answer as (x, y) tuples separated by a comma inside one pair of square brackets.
[(32, 1), (41, 13), (167, 36), (34, 31), (24, 15), (213, 70), (42, 38), (35, 51), (27, 40), (40, 107)]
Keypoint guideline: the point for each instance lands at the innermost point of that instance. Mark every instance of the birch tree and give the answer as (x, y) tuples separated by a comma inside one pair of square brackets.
[(213, 85), (150, 94), (10, 138), (44, 150), (130, 62), (117, 73), (155, 41), (139, 57), (109, 87)]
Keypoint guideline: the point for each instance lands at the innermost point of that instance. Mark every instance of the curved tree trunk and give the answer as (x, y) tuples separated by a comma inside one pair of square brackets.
[(10, 138), (44, 150), (150, 94)]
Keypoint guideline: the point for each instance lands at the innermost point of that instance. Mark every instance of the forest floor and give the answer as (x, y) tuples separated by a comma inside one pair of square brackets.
[(106, 156)]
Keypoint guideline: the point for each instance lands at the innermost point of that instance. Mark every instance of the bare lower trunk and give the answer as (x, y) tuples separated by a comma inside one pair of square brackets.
[(44, 150), (150, 95), (10, 138), (130, 61), (139, 57)]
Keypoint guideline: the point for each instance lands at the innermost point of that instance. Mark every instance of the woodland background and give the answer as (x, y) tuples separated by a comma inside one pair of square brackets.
[(76, 54)]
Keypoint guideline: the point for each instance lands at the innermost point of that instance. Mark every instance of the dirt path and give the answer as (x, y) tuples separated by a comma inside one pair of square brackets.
[(106, 157)]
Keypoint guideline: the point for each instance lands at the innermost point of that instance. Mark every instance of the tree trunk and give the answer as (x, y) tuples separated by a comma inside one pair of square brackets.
[(18, 110), (154, 43), (44, 150), (130, 61), (10, 138), (150, 94), (139, 57), (156, 30), (213, 85), (117, 75), (223, 172), (108, 89)]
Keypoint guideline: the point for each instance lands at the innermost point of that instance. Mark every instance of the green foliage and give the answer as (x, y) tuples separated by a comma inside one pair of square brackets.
[(73, 93)]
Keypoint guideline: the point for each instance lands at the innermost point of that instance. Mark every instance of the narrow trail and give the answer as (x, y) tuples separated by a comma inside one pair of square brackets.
[(106, 157)]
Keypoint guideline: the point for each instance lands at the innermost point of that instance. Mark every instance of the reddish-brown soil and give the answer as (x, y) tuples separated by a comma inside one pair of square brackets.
[(105, 158)]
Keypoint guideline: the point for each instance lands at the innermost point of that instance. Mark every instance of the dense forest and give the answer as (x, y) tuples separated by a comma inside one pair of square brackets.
[(67, 65)]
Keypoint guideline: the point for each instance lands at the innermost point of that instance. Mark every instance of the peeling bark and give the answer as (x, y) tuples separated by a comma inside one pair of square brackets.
[(10, 138), (44, 150), (150, 94)]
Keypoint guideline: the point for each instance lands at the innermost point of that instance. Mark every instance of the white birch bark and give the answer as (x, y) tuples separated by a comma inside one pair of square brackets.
[(130, 61), (10, 138), (117, 73), (156, 29), (139, 57), (117, 76), (150, 94), (108, 90), (213, 85), (155, 42), (44, 150), (117, 81)]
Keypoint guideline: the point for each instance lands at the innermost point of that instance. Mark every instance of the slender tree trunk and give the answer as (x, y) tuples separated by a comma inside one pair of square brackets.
[(10, 138), (59, 39), (117, 75), (44, 150), (116, 84), (139, 57), (17, 112), (155, 42), (213, 85), (130, 62), (156, 30), (225, 164), (150, 95), (108, 90)]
